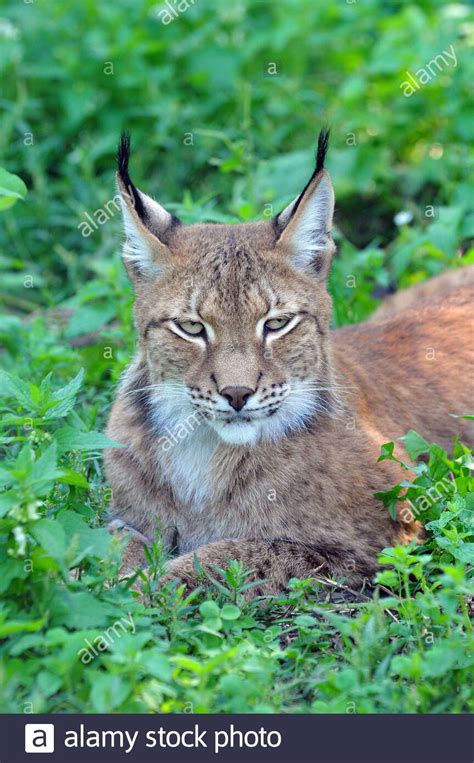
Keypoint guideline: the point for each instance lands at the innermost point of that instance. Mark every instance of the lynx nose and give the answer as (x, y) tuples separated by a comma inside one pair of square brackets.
[(237, 396)]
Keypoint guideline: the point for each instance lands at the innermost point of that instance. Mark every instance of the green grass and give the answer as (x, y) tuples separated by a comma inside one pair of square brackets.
[(410, 647)]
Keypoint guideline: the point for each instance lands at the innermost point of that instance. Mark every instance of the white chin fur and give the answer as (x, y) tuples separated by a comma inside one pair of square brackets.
[(295, 412), (238, 433), (290, 417)]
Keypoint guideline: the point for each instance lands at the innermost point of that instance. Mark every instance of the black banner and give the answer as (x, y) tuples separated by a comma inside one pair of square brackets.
[(299, 738)]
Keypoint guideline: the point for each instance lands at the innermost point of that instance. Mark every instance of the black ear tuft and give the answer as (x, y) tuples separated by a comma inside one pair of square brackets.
[(323, 143), (123, 156)]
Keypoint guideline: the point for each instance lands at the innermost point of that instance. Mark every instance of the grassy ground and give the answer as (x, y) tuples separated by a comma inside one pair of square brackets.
[(224, 104)]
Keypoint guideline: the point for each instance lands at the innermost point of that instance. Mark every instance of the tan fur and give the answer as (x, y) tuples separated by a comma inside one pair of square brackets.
[(434, 288), (299, 496)]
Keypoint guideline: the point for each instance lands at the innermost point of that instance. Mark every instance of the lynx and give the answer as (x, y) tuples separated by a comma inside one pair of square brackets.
[(438, 286), (251, 431)]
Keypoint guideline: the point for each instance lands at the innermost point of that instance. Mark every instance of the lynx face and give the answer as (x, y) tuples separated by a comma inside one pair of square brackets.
[(233, 320)]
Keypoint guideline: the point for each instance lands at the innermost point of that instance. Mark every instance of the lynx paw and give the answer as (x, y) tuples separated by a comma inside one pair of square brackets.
[(133, 556), (182, 568)]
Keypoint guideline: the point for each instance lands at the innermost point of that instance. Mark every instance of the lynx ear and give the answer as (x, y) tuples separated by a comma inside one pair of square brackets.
[(304, 226), (147, 224)]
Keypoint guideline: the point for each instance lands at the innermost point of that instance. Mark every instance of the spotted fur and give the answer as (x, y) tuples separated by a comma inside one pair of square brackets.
[(287, 483)]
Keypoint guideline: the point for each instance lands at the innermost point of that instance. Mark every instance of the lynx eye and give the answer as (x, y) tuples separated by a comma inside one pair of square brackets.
[(193, 328), (275, 324)]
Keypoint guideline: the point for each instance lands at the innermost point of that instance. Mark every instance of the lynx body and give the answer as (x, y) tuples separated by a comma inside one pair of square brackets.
[(252, 430)]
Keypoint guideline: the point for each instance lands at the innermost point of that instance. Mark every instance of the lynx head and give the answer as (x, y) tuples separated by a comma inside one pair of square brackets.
[(233, 320)]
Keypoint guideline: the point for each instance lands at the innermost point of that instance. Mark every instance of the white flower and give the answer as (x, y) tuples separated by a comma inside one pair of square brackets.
[(7, 30), (403, 218)]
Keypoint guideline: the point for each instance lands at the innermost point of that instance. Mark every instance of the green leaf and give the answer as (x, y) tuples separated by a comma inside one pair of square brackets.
[(463, 552), (81, 609), (188, 663), (71, 389), (44, 471), (51, 536), (65, 397), (156, 664), (70, 477), (68, 438), (48, 683), (21, 626), (415, 444), (95, 542), (26, 642), (211, 625), (45, 466), (209, 610), (7, 502), (390, 499), (108, 692), (12, 386), (305, 621), (11, 569), (386, 451), (439, 660), (230, 612), (12, 188)]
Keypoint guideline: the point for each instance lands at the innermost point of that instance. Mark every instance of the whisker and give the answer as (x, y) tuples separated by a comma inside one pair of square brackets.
[(316, 389), (136, 391), (333, 385), (156, 388)]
